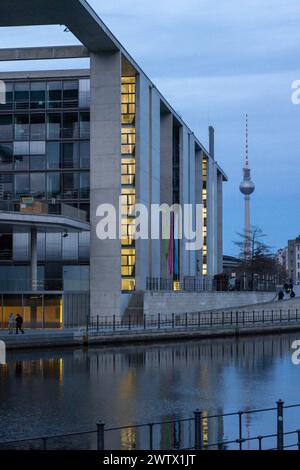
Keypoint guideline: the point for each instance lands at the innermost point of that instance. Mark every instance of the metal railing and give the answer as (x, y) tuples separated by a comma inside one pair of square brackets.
[(188, 433), (39, 207), (208, 284), (191, 321)]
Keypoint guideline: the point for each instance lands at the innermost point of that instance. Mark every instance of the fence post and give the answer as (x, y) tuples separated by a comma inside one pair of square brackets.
[(114, 322), (199, 319), (129, 322), (173, 323), (186, 320), (44, 443), (198, 429), (296, 314), (100, 435), (263, 316), (272, 316), (150, 436), (240, 413), (223, 318), (298, 435), (280, 437), (158, 320), (280, 317), (97, 323), (145, 320)]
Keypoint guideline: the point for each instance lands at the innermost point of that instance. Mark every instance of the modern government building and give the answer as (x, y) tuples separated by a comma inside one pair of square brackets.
[(72, 140)]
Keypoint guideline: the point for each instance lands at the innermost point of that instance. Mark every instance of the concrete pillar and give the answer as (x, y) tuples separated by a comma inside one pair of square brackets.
[(220, 222), (166, 176), (33, 242), (105, 183), (198, 199)]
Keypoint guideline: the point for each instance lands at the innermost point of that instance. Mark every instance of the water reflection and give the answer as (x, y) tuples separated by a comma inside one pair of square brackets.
[(49, 392)]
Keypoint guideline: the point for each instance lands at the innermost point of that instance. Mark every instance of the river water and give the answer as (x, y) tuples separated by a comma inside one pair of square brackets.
[(59, 391)]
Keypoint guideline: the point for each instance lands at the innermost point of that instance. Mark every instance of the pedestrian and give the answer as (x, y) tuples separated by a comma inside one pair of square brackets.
[(280, 295), (292, 294), (11, 323), (19, 323), (286, 287)]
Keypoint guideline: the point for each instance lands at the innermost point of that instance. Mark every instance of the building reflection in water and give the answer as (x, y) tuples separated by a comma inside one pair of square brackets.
[(142, 384)]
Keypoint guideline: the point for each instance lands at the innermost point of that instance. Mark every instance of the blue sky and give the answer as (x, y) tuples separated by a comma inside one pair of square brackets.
[(215, 60)]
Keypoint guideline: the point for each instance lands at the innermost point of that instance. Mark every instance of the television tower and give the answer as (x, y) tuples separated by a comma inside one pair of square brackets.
[(247, 187)]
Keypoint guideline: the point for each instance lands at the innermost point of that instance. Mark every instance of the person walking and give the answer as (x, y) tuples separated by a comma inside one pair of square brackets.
[(19, 323), (286, 287), (292, 294), (280, 295), (11, 323)]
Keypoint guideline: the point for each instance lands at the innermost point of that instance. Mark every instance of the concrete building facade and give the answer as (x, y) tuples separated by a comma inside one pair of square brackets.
[(91, 137)]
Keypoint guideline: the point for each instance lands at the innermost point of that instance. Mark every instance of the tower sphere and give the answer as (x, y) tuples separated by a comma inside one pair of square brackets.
[(247, 187)]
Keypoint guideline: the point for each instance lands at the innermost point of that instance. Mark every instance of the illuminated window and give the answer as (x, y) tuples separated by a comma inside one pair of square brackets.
[(128, 171), (204, 215)]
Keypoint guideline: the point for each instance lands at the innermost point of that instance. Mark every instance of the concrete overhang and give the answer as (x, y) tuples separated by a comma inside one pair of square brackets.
[(44, 223), (77, 15), (81, 20), (44, 53)]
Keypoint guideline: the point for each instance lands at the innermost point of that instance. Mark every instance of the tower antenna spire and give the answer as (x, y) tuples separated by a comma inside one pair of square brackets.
[(247, 145)]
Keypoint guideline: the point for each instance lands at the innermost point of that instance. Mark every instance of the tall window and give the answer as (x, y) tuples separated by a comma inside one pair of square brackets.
[(128, 141), (204, 213)]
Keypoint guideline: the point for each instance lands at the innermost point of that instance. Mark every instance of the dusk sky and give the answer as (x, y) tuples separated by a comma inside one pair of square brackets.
[(214, 62)]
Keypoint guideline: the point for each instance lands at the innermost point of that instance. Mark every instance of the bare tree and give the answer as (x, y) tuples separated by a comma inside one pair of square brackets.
[(256, 257)]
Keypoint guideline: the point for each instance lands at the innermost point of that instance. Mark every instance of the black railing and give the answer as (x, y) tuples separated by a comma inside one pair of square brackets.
[(195, 320), (196, 432), (208, 284)]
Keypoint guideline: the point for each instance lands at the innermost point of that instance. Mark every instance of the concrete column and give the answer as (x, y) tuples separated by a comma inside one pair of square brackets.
[(198, 199), (33, 242), (143, 172), (185, 143), (105, 183), (166, 176), (220, 222)]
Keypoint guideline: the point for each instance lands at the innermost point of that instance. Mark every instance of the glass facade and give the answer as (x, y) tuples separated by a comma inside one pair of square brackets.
[(37, 310), (128, 194), (45, 155)]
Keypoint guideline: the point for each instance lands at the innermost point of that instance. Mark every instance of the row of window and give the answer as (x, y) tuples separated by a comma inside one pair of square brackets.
[(50, 247), (128, 194), (41, 126), (45, 185), (50, 94), (40, 155)]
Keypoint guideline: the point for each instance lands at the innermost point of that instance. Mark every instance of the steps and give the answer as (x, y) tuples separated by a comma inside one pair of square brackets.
[(135, 309)]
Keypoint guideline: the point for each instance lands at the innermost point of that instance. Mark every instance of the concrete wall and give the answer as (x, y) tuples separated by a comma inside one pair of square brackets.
[(220, 222), (105, 259), (180, 302), (184, 192), (166, 176), (154, 268), (198, 199), (143, 169)]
